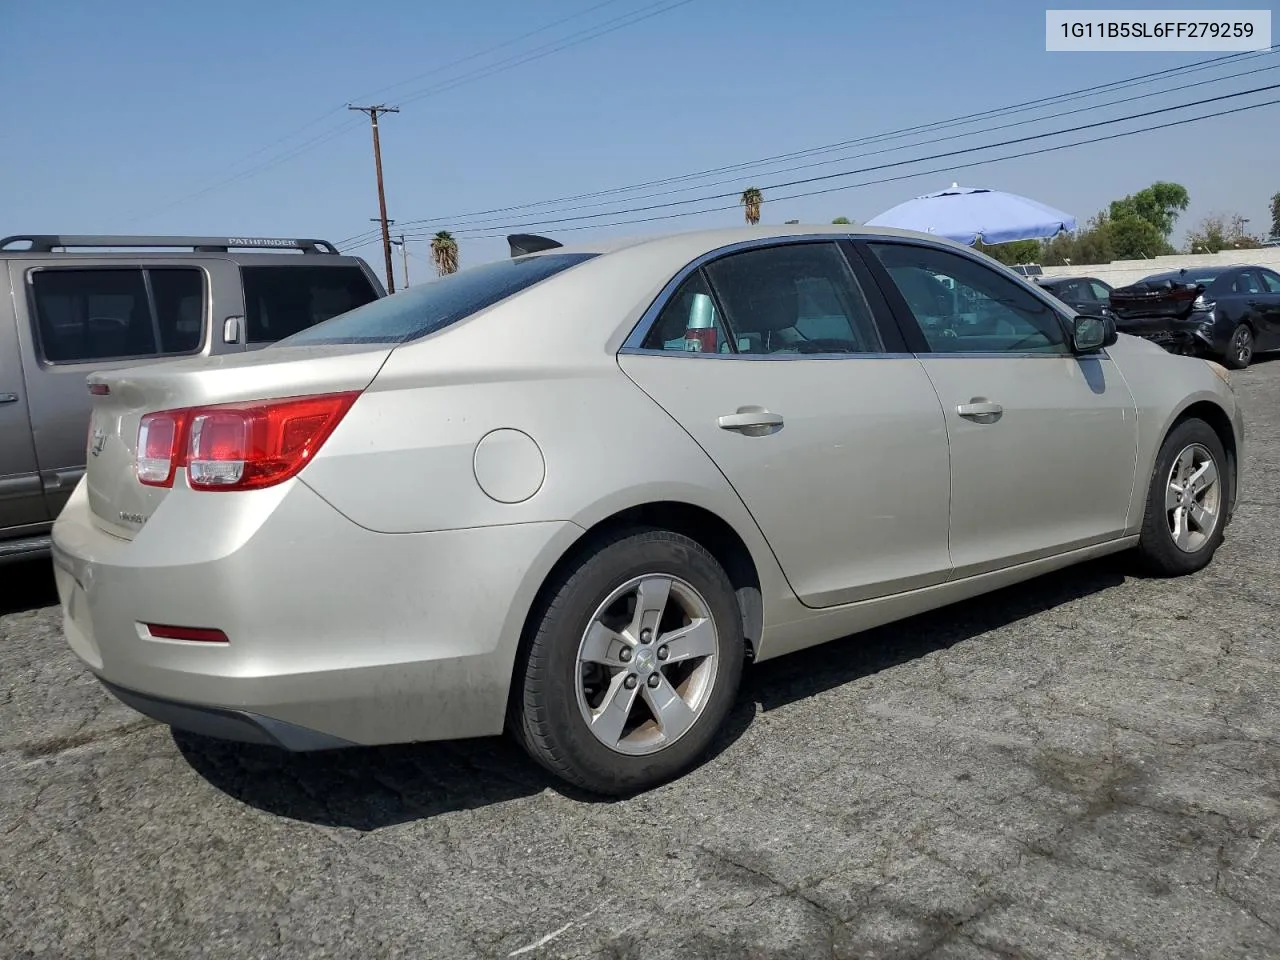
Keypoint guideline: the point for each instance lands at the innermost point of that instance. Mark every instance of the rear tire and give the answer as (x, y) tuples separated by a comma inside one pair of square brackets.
[(1239, 348), (594, 673), (1187, 501)]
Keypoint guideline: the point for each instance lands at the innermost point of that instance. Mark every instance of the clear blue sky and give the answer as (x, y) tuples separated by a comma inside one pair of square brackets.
[(113, 111)]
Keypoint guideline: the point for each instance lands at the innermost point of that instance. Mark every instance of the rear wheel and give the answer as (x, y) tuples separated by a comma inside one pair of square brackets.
[(1240, 347), (632, 665), (1186, 502)]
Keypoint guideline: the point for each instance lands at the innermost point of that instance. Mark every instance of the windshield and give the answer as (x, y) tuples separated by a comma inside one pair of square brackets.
[(424, 309)]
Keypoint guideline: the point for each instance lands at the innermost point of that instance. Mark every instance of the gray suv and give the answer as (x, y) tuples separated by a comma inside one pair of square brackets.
[(70, 305)]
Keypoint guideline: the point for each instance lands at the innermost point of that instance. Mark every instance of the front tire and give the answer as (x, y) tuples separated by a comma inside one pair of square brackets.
[(1187, 501), (632, 663), (1239, 348)]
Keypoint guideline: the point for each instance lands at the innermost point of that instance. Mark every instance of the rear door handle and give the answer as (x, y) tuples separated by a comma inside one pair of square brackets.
[(979, 408), (750, 418), (8, 398)]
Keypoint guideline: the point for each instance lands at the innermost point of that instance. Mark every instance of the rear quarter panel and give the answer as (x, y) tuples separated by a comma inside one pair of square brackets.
[(1163, 386), (542, 365)]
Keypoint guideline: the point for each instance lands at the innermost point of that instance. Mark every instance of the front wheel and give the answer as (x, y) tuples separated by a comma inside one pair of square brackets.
[(1186, 502), (1239, 347), (632, 665)]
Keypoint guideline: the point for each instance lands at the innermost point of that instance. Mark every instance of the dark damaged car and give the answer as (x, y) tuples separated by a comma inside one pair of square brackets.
[(1226, 313)]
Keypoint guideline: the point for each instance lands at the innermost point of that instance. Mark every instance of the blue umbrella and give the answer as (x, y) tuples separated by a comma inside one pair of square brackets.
[(969, 214)]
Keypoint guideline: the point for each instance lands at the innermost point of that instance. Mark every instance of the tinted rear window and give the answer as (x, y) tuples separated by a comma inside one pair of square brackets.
[(280, 301), (424, 309)]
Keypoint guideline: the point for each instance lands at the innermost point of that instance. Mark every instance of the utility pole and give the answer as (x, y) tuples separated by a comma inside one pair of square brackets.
[(382, 199)]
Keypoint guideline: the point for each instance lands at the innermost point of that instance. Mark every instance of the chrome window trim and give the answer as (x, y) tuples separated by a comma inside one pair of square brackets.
[(632, 344)]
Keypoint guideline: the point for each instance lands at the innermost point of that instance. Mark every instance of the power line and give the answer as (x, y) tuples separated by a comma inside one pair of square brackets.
[(335, 132), (897, 163), (464, 225), (907, 176), (503, 65), (382, 91), (969, 118)]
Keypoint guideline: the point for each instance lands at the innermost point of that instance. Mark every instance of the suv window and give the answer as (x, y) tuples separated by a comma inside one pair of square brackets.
[(424, 309), (109, 314), (982, 311), (689, 321), (794, 298), (1099, 291), (1271, 280), (281, 301)]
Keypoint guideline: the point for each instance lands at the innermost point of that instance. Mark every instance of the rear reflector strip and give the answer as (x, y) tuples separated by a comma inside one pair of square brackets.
[(193, 634), (99, 389)]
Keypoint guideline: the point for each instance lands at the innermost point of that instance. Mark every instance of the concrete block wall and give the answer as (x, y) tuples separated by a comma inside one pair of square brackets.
[(1118, 273)]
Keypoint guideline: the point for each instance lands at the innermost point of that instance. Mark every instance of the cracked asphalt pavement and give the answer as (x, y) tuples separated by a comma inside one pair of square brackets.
[(1087, 765)]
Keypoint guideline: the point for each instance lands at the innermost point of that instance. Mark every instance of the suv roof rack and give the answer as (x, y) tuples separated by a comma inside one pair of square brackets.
[(47, 243), (523, 243)]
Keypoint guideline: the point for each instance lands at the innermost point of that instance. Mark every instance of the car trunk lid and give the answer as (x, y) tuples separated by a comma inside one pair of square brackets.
[(1164, 299), (120, 503)]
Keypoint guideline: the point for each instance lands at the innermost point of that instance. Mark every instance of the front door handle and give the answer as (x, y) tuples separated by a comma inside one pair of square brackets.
[(8, 398), (744, 420), (980, 408)]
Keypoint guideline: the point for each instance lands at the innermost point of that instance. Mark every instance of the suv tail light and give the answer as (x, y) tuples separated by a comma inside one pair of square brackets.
[(237, 446)]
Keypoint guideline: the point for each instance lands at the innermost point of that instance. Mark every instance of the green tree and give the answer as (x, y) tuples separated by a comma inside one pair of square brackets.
[(1275, 215), (1216, 232), (1019, 251), (752, 200), (444, 253), (847, 220), (1159, 205), (1136, 238)]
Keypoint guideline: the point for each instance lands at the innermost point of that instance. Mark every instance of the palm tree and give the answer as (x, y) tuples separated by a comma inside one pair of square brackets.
[(444, 252), (751, 200)]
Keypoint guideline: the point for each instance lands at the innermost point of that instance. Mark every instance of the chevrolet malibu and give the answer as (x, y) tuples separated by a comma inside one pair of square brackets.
[(570, 493)]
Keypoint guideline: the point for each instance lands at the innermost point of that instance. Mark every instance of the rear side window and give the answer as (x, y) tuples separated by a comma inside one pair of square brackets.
[(433, 306), (90, 315), (281, 301)]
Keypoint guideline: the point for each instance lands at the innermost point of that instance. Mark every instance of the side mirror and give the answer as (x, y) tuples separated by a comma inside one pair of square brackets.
[(1090, 332)]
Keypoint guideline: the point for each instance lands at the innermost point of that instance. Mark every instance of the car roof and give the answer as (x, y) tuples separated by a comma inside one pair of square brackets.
[(695, 242), (1186, 274), (1075, 277)]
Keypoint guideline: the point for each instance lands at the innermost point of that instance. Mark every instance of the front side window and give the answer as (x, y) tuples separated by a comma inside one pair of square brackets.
[(794, 299), (1271, 280), (428, 307), (963, 306), (281, 301), (1100, 291), (85, 315)]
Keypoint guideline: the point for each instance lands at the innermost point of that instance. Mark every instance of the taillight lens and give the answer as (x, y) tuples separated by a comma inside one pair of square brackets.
[(237, 446)]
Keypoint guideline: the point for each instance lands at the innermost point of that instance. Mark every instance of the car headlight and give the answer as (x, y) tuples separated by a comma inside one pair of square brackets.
[(1223, 374)]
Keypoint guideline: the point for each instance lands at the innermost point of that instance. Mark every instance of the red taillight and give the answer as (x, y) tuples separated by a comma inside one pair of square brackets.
[(99, 390), (159, 436), (237, 446), (194, 634)]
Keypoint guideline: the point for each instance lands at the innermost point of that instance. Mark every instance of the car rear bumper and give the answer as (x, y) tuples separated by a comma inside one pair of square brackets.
[(336, 635)]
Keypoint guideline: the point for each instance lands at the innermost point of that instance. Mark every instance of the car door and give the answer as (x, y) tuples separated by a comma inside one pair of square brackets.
[(21, 497), (773, 360), (1269, 300), (78, 316), (1043, 442)]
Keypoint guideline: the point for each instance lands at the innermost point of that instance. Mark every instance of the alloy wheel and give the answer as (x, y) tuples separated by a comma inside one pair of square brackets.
[(1242, 346), (647, 664), (1193, 498)]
